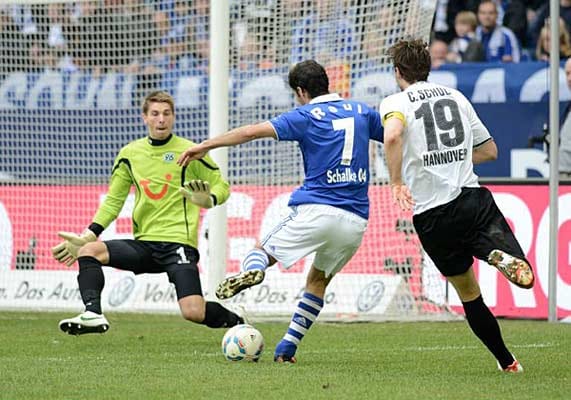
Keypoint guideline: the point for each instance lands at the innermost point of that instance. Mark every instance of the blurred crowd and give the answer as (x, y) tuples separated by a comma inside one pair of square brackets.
[(101, 35), (156, 36), (496, 31)]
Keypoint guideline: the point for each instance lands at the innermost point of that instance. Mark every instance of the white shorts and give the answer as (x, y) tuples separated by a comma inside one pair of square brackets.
[(332, 233)]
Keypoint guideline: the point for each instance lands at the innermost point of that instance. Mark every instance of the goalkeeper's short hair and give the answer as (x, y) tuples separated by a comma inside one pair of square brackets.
[(158, 96)]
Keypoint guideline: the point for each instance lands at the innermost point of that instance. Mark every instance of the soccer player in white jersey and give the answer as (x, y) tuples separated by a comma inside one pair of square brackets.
[(432, 139), (329, 211)]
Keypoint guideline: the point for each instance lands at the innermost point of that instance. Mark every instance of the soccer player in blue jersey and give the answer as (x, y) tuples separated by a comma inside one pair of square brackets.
[(329, 211)]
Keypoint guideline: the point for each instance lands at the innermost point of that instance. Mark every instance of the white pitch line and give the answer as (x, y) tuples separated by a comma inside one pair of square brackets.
[(429, 348), (453, 348)]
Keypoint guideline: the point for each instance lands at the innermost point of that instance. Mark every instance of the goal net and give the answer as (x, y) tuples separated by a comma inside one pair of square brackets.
[(72, 77)]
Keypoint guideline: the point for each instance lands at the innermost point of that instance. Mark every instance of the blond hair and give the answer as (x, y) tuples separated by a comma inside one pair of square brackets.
[(468, 18), (158, 96), (564, 40)]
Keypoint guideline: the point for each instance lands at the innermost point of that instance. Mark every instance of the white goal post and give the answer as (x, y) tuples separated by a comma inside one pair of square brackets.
[(71, 82)]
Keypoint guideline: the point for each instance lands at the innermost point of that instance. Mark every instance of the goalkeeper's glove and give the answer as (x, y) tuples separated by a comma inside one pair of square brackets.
[(198, 192), (66, 251)]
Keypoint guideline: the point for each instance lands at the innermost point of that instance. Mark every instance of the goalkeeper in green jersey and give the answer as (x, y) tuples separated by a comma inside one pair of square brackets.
[(165, 219)]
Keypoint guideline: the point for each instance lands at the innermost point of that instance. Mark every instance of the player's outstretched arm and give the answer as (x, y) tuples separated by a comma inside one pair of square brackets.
[(66, 251), (234, 137), (192, 153)]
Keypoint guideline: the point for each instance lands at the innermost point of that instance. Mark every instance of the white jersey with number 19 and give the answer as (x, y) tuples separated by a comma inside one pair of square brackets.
[(440, 130)]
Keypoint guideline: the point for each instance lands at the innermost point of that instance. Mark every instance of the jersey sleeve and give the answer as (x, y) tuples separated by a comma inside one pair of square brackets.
[(511, 45), (375, 126), (119, 187), (290, 126), (479, 131), (207, 170), (391, 107)]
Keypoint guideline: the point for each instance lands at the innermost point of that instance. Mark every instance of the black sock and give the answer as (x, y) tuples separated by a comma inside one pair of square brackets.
[(91, 281), (217, 316), (486, 327)]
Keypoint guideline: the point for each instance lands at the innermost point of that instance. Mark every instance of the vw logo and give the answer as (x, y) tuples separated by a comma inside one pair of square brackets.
[(370, 296), (121, 291)]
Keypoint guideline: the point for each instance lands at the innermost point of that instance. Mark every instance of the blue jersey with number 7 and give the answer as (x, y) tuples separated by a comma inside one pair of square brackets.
[(333, 135)]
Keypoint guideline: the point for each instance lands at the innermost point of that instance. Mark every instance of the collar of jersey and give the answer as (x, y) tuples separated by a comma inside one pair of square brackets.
[(159, 142), (325, 98), (417, 83)]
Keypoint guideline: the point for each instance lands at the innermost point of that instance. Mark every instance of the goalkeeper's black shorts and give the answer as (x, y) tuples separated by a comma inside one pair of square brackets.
[(179, 261), (469, 226)]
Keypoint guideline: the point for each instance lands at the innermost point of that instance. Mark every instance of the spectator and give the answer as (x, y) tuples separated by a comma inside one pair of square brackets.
[(11, 45), (25, 16), (532, 7), (542, 15), (256, 51), (199, 24), (515, 19), (56, 22), (438, 51), (180, 22), (102, 36), (37, 59), (334, 43), (333, 33), (374, 45), (445, 15), (465, 47), (81, 33), (335, 30), (441, 25), (500, 43), (143, 35), (543, 48), (56, 40), (162, 26), (386, 25), (565, 133)]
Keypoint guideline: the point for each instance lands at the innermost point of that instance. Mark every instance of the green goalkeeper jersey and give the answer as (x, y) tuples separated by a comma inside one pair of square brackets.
[(160, 212)]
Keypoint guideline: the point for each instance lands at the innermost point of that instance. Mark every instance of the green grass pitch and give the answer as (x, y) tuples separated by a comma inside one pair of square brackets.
[(164, 357)]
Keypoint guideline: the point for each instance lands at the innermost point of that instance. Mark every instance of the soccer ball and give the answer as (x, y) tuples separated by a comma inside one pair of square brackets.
[(242, 342)]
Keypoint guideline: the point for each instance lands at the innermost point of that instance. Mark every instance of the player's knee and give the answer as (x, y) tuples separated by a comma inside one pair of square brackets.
[(316, 283), (193, 313), (94, 249), (467, 291), (468, 295)]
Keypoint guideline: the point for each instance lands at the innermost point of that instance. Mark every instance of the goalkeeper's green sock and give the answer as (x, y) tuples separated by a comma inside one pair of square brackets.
[(91, 281)]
